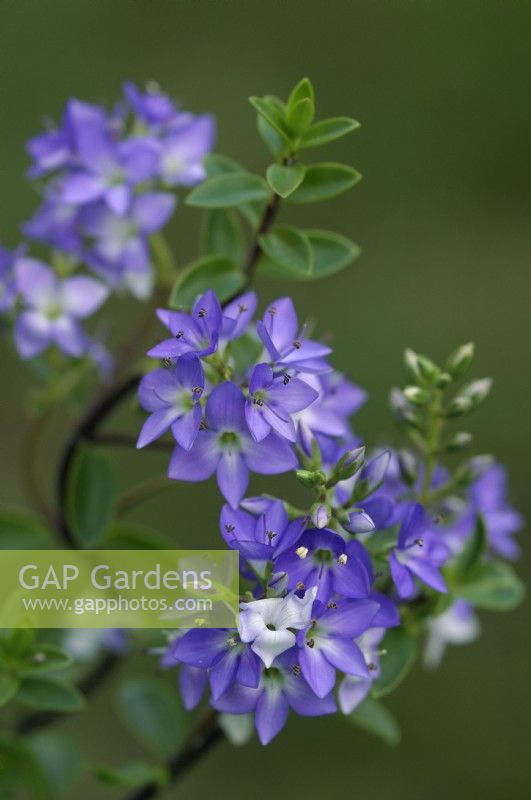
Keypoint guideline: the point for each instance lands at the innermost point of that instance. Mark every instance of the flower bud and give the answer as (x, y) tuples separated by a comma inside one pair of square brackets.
[(459, 441), (372, 476), (458, 405), (320, 515), (359, 522), (347, 465), (460, 360), (416, 395), (477, 391), (408, 467), (311, 478), (420, 367)]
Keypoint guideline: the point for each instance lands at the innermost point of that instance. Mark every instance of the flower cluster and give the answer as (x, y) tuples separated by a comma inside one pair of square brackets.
[(108, 180), (324, 585)]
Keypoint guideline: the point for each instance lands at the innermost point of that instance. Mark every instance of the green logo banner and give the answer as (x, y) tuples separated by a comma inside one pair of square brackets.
[(119, 588)]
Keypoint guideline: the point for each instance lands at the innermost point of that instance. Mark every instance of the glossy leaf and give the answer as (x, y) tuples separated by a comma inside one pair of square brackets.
[(283, 180), (21, 775), (331, 252), (222, 235), (212, 272), (50, 694), (323, 181), (270, 111), (225, 191), (60, 758), (400, 652), (273, 140), (215, 165), (151, 709), (45, 657), (302, 91), (288, 248), (327, 131), (90, 496), (373, 717), (300, 116)]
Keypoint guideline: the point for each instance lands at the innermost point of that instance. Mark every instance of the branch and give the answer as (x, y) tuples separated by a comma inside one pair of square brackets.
[(200, 740)]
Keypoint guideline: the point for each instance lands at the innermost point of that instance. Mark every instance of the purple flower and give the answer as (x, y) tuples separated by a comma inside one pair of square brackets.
[(152, 106), (260, 538), (269, 624), (120, 247), (172, 396), (285, 343), (328, 643), (272, 400), (281, 686), (488, 497), (419, 554), (57, 225), (53, 309), (226, 657), (227, 448), (355, 688), (8, 286), (237, 315), (322, 558), (337, 400), (183, 151), (197, 332)]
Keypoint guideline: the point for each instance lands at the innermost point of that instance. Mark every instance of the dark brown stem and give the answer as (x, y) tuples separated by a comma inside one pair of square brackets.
[(200, 740), (266, 223)]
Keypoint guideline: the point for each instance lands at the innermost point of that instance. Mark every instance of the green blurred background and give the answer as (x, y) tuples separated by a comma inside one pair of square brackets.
[(442, 215)]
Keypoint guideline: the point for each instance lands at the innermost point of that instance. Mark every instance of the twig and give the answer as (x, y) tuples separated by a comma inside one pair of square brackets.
[(142, 492), (200, 740)]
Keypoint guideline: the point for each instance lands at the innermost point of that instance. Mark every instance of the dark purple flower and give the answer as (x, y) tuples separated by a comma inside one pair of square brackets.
[(53, 309), (419, 554), (272, 400), (324, 559), (261, 537), (222, 652), (227, 448), (328, 643), (197, 332), (172, 396), (282, 687), (285, 342)]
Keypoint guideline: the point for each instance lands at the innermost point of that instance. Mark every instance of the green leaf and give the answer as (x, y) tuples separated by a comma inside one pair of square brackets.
[(471, 554), (222, 235), (493, 587), (133, 537), (400, 652), (215, 165), (300, 116), (224, 191), (21, 776), (50, 694), (151, 709), (327, 130), (22, 531), (331, 252), (212, 272), (283, 180), (60, 758), (375, 718), (9, 686), (273, 115), (135, 773), (90, 496), (45, 658), (323, 181), (273, 140), (288, 248), (302, 91)]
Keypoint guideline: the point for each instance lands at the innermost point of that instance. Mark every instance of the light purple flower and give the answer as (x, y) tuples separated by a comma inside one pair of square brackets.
[(488, 496), (419, 554), (285, 342), (183, 151), (53, 309), (172, 396), (8, 286), (282, 687), (227, 448), (152, 106), (272, 400), (353, 689), (237, 315), (328, 415), (457, 625), (262, 536)]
